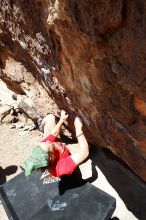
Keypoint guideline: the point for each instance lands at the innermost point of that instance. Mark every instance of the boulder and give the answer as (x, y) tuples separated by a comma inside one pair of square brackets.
[(27, 106), (9, 119), (5, 110), (22, 117), (96, 54)]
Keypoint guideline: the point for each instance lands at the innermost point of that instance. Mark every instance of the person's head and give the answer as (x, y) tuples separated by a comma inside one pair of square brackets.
[(51, 149)]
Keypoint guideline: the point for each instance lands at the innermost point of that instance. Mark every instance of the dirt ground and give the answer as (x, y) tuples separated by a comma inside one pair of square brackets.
[(15, 145)]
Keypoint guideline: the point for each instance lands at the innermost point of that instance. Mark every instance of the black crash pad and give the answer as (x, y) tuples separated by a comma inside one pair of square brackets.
[(34, 198)]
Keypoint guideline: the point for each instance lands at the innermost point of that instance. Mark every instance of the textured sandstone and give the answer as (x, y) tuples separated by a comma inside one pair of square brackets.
[(86, 57)]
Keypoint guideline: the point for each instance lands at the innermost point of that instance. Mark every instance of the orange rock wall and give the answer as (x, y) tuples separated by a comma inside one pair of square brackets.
[(96, 51)]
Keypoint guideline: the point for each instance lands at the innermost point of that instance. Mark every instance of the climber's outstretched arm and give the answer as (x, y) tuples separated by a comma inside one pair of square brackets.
[(83, 151), (57, 128)]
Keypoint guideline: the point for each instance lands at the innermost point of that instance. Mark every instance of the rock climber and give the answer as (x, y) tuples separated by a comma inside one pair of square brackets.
[(52, 153)]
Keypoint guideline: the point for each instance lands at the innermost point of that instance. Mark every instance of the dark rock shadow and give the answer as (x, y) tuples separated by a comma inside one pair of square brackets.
[(115, 218), (67, 140), (75, 180), (7, 172), (128, 185)]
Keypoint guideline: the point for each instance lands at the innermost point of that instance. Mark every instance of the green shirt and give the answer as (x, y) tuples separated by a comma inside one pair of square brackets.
[(37, 159)]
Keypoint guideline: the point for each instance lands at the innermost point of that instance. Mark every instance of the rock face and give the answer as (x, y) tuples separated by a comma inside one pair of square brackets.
[(88, 57), (25, 52)]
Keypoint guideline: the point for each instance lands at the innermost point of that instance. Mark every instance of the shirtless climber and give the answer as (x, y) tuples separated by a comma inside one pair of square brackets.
[(54, 154)]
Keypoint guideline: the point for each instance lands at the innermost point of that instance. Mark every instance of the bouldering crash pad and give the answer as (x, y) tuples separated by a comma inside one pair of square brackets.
[(39, 197)]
